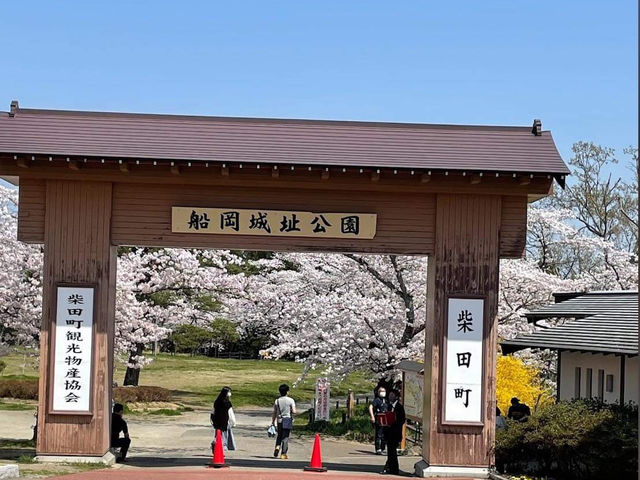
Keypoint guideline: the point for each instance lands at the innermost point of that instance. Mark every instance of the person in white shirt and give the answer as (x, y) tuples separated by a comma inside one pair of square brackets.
[(284, 409)]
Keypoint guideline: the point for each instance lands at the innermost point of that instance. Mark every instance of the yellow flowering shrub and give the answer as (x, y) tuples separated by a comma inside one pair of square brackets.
[(515, 379)]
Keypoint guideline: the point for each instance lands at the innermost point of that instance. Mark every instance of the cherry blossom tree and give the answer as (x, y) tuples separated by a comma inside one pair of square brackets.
[(20, 278), (338, 312), (341, 312), (160, 289)]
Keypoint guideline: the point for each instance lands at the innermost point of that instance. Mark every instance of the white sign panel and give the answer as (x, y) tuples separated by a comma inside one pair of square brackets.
[(73, 350), (464, 358), (322, 399)]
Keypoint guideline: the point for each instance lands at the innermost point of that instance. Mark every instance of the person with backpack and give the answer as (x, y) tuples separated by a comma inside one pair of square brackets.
[(284, 409)]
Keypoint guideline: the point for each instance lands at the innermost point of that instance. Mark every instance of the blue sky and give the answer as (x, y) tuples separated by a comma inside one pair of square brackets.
[(571, 63)]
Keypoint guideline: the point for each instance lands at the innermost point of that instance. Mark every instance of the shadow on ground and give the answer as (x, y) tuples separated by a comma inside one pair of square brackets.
[(13, 449), (257, 462)]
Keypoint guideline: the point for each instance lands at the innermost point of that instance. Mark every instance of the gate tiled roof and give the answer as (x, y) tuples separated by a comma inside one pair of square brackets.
[(280, 141)]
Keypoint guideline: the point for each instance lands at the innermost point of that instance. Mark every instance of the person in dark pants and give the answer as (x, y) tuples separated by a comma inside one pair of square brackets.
[(220, 416), (393, 433), (119, 425), (379, 405), (284, 409)]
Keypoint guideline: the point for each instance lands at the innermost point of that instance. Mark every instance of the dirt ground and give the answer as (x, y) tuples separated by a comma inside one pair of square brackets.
[(184, 442)]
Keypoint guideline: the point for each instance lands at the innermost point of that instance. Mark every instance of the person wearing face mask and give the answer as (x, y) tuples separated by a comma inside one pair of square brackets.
[(379, 405), (223, 418), (393, 433)]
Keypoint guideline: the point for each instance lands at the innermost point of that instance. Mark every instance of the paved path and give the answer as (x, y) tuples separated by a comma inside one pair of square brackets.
[(16, 424), (226, 474), (184, 442)]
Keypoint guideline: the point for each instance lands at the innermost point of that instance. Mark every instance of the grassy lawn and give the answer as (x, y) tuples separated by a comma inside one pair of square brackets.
[(196, 381), (22, 363), (17, 405)]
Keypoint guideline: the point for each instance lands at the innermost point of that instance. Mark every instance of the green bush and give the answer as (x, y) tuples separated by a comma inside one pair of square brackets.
[(358, 428), (3, 365), (141, 394), (23, 389), (573, 440)]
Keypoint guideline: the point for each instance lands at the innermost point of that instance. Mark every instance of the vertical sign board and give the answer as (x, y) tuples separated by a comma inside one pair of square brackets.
[(413, 394), (322, 399), (73, 350), (464, 358)]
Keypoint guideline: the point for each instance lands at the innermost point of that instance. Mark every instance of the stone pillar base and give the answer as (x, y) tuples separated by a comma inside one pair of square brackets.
[(9, 471), (423, 469), (106, 459)]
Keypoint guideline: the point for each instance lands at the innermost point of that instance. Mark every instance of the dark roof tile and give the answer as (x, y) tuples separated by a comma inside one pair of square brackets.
[(604, 322), (279, 141)]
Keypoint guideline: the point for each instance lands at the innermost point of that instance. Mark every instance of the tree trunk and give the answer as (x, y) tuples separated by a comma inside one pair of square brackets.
[(132, 375)]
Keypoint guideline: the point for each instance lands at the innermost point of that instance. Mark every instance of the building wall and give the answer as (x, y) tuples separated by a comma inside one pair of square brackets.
[(631, 380), (609, 363)]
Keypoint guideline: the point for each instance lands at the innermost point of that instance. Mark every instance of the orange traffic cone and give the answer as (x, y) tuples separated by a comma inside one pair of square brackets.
[(218, 453), (316, 458)]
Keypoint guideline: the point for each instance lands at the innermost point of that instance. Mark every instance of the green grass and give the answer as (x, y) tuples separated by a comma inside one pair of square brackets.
[(21, 363), (17, 406), (358, 428), (26, 459), (167, 412), (15, 443), (196, 381)]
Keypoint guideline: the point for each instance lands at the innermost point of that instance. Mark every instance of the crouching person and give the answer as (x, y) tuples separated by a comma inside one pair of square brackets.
[(119, 425)]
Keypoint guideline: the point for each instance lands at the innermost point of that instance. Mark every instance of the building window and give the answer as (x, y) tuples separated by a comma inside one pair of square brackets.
[(589, 385), (601, 384), (609, 383), (578, 378)]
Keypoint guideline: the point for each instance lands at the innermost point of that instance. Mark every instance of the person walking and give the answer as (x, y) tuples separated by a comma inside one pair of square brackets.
[(223, 418), (393, 433), (380, 404), (284, 409), (119, 425)]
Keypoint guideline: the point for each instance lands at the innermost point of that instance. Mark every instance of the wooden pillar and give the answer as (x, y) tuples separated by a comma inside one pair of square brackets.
[(465, 262), (77, 249)]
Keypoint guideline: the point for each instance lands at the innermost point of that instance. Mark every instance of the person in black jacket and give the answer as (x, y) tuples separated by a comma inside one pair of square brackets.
[(520, 412), (393, 433), (380, 404), (119, 425), (220, 415)]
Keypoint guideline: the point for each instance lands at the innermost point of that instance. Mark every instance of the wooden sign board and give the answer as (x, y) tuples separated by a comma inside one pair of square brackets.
[(413, 394), (281, 223)]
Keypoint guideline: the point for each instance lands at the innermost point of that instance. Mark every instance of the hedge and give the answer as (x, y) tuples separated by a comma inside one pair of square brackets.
[(27, 389), (573, 440), (23, 389), (141, 394)]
